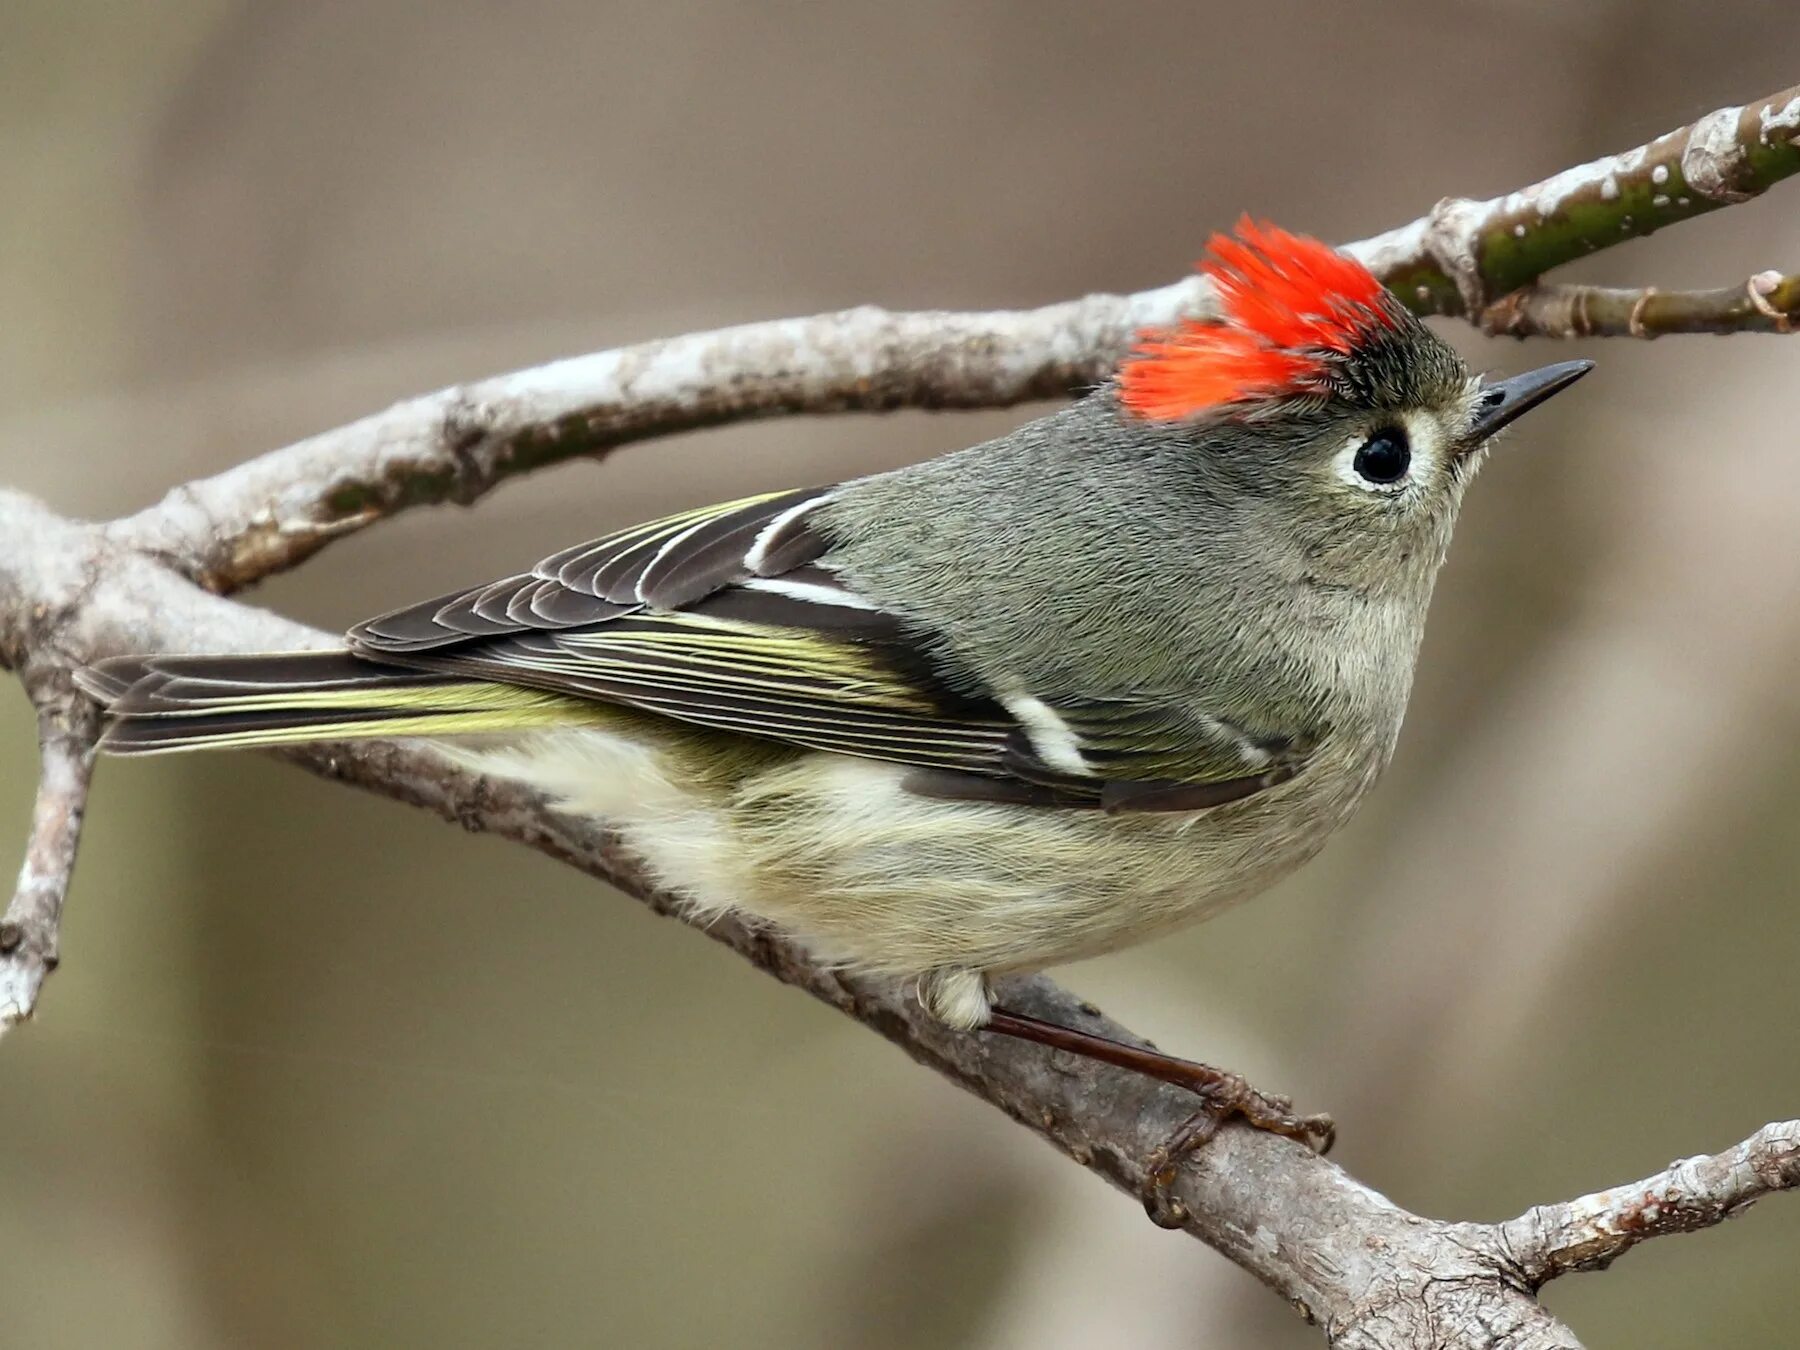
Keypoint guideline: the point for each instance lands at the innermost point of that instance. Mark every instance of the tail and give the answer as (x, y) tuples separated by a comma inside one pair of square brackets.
[(155, 704)]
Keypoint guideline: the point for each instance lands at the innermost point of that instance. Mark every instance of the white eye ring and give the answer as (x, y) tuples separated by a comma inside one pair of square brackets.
[(1349, 462), (1422, 437)]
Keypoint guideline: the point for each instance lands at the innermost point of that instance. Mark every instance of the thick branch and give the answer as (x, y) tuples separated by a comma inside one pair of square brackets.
[(1594, 1231), (455, 445)]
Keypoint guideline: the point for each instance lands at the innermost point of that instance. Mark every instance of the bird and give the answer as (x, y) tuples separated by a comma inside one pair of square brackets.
[(1019, 704)]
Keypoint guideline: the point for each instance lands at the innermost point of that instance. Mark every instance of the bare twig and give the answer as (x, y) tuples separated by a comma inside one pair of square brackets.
[(456, 445), (1594, 1231), (29, 930), (1767, 303)]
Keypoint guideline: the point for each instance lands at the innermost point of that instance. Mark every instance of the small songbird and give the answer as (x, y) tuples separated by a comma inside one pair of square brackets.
[(1016, 705)]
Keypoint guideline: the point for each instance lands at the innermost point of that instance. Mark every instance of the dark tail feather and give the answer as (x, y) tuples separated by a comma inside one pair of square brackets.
[(163, 703)]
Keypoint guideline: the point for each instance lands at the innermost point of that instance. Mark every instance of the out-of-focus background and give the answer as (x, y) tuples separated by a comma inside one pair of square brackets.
[(318, 1071)]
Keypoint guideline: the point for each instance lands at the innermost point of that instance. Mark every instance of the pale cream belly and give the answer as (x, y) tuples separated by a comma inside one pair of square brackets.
[(870, 875)]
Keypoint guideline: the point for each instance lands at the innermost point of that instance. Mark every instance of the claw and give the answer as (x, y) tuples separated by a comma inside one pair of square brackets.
[(1222, 1094), (1229, 1096)]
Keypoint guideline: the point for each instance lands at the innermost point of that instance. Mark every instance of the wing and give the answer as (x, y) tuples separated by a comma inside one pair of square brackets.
[(732, 617), (718, 616)]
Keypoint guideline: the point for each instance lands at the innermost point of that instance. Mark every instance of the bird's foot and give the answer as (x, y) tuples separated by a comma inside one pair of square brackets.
[(1224, 1096)]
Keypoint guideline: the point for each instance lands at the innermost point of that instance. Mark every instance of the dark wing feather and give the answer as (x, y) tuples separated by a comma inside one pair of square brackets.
[(664, 564), (731, 617)]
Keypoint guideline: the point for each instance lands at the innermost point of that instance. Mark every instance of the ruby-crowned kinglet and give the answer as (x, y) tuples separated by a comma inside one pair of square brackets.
[(1016, 705)]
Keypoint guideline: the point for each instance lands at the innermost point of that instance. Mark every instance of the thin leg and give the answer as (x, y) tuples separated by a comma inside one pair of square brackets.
[(1225, 1095)]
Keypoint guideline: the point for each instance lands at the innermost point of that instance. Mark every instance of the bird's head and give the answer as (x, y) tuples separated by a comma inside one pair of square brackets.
[(1338, 427)]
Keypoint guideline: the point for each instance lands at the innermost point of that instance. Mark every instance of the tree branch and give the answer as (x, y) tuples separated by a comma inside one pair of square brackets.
[(1466, 254), (458, 444), (30, 927), (1767, 303), (1594, 1231)]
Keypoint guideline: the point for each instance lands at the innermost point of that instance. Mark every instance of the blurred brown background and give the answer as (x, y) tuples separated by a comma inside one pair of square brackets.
[(320, 1072)]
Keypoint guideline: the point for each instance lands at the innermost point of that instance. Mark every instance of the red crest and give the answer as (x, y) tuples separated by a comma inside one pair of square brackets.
[(1288, 306)]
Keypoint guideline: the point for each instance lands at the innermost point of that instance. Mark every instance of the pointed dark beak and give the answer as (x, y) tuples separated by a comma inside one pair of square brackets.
[(1502, 400)]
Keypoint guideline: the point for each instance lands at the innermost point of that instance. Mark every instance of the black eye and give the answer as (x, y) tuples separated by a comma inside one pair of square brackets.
[(1384, 457)]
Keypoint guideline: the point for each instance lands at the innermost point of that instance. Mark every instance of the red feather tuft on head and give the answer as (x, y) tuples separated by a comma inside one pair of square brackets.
[(1288, 305)]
